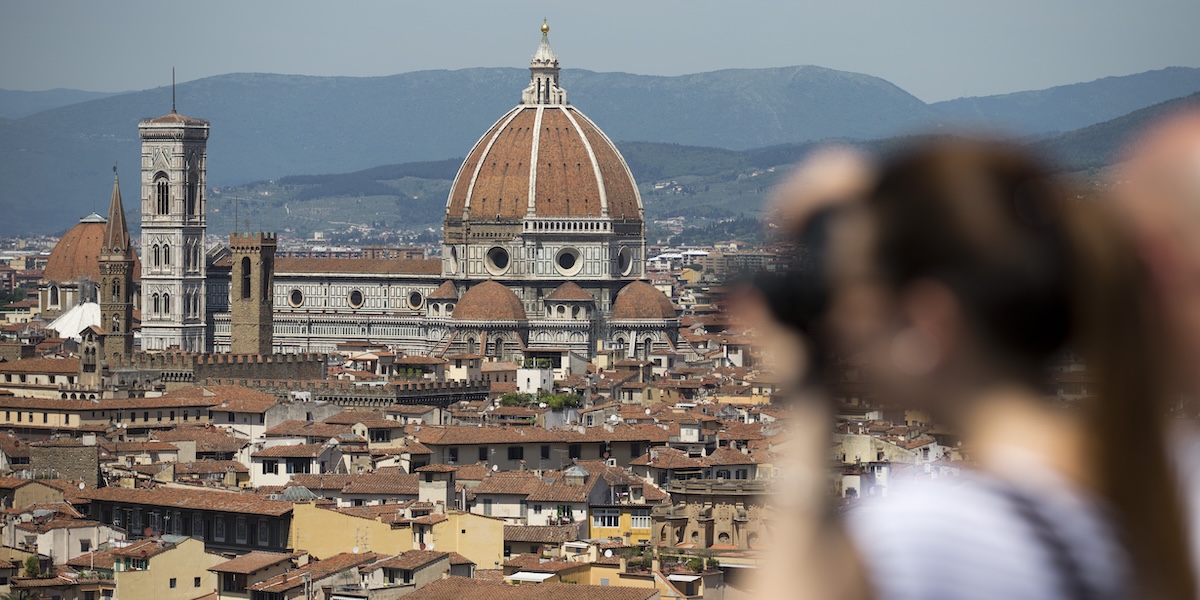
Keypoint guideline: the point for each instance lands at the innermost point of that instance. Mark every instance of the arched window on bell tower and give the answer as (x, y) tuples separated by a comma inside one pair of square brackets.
[(245, 278), (191, 193), (162, 194)]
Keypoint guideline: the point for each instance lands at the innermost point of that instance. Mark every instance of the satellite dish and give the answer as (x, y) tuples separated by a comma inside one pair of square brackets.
[(431, 545), (495, 468), (82, 485), (354, 550), (608, 553)]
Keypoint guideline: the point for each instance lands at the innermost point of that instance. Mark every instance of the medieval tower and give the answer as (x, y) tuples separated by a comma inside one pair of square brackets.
[(252, 292)]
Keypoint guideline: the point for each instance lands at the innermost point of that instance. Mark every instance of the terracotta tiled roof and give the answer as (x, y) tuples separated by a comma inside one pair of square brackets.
[(489, 301), (208, 439), (640, 300), (570, 292), (446, 291), (458, 559), (251, 562), (200, 467), (291, 450), (457, 588), (100, 559), (231, 502), (411, 560), (541, 534), (384, 481), (457, 435), (496, 180), (321, 481), (175, 118), (52, 366), (296, 428), (520, 483), (314, 571), (234, 398), (56, 523), (77, 254)]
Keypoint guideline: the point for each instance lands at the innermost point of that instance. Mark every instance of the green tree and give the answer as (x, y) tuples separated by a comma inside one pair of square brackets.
[(32, 567), (515, 399)]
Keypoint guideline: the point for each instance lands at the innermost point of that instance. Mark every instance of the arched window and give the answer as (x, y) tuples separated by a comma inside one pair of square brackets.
[(191, 196), (166, 249), (500, 348), (470, 345), (116, 290), (155, 303), (166, 303), (245, 278), (54, 295), (196, 303), (157, 255), (162, 194), (647, 348)]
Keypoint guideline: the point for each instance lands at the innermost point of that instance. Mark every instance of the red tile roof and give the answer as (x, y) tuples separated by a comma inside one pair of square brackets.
[(251, 562), (231, 502)]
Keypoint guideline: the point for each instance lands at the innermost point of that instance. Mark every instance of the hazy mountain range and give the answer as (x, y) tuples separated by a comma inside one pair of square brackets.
[(55, 161)]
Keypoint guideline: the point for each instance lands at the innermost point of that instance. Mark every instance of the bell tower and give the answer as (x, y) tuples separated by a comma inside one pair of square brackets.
[(174, 205), (252, 293), (116, 281)]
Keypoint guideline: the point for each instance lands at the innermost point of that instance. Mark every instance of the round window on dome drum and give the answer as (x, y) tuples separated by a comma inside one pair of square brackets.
[(296, 298), (625, 260), (415, 300), (356, 299), (568, 261), (497, 261)]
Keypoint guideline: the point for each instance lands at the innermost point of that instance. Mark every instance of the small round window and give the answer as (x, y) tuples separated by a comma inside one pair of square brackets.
[(415, 300), (296, 298), (625, 260), (356, 299), (497, 261), (568, 262)]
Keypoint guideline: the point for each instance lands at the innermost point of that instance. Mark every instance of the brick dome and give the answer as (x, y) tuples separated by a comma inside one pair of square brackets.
[(544, 158), (77, 254), (640, 300), (489, 301)]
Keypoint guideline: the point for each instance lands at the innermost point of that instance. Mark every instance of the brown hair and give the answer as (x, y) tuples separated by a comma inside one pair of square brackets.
[(1036, 275)]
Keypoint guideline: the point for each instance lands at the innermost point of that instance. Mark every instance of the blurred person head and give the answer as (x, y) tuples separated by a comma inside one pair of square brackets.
[(1159, 190), (965, 270), (787, 308)]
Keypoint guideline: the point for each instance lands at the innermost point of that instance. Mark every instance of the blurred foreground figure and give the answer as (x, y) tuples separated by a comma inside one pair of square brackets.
[(958, 278), (810, 557), (1159, 189)]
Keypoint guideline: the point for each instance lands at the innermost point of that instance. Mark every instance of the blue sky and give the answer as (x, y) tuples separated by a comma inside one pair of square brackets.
[(936, 49)]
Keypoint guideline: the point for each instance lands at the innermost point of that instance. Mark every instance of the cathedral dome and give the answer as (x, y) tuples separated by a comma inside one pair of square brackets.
[(542, 159), (77, 254), (640, 300), (489, 301)]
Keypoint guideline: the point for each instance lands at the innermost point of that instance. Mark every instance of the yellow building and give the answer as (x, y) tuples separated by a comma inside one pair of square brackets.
[(627, 522), (395, 528), (155, 569)]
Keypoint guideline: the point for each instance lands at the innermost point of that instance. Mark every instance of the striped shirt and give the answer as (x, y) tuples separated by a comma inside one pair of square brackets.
[(969, 538)]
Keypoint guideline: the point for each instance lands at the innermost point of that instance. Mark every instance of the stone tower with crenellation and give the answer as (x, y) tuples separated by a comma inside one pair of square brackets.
[(251, 295)]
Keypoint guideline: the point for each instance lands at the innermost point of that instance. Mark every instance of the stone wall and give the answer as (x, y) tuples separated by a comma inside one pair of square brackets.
[(64, 460)]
